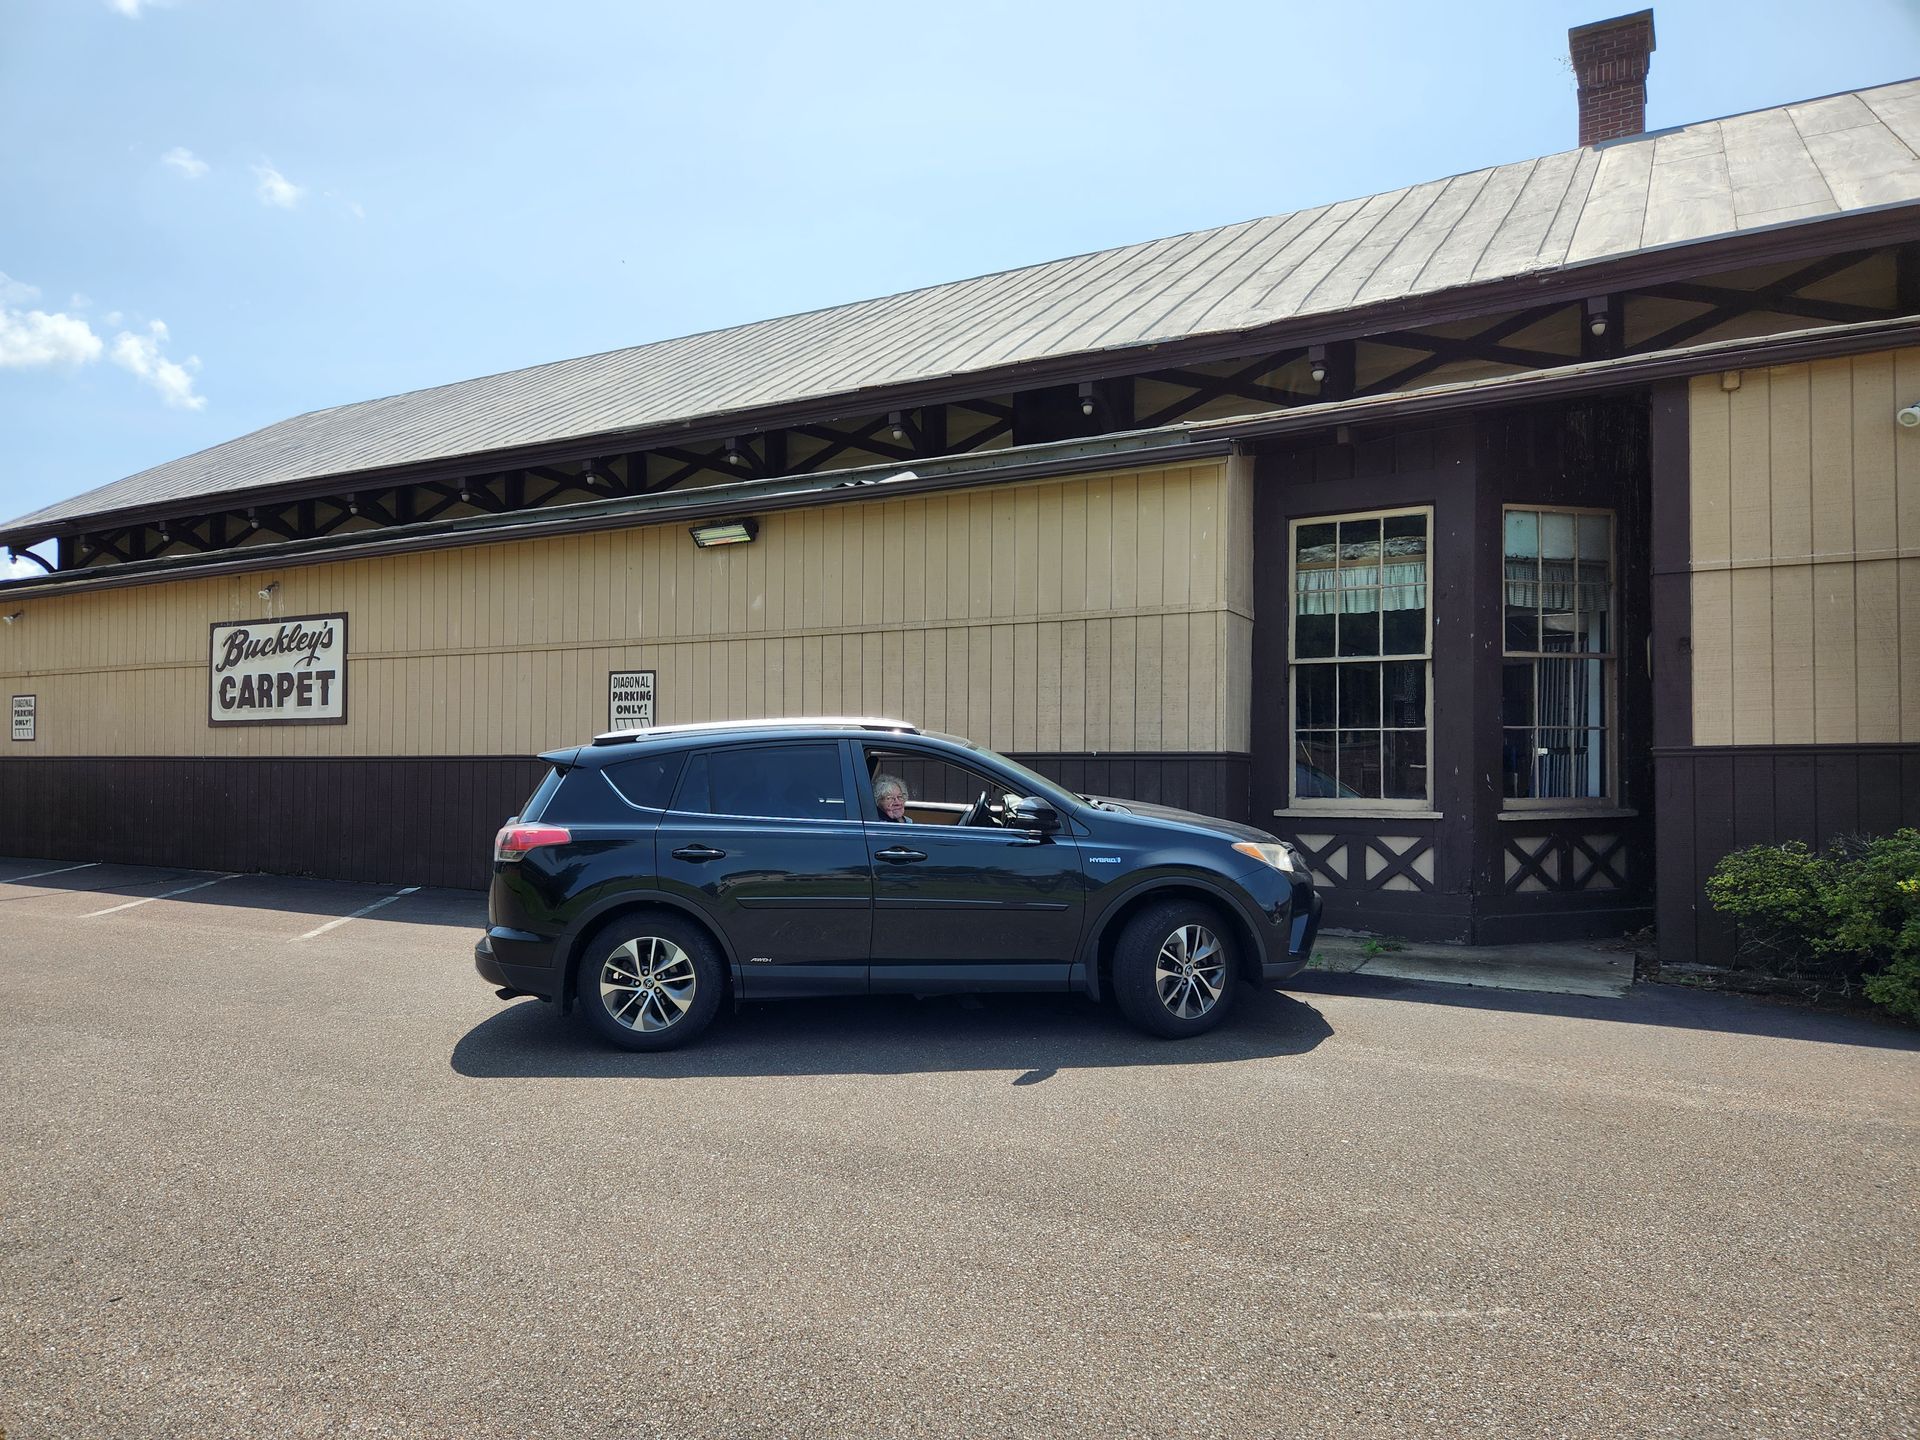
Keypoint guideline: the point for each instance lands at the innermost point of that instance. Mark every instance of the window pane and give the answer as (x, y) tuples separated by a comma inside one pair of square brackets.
[(1596, 538), (1314, 545), (1522, 571), (1404, 536), (1523, 621), (1404, 694), (1313, 636), (1516, 692), (1360, 632), (1406, 765), (1556, 536), (1571, 692), (1556, 604), (800, 782), (1404, 622), (1359, 542), (1595, 599), (1313, 687), (693, 794), (1359, 696), (647, 782), (1553, 764), (1591, 748), (1316, 766), (1523, 535), (1516, 763), (1360, 762)]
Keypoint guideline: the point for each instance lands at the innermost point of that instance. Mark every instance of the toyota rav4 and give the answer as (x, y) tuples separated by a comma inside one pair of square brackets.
[(654, 872)]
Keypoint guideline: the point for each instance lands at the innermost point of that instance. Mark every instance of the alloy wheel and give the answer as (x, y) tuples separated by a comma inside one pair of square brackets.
[(1190, 971), (648, 984)]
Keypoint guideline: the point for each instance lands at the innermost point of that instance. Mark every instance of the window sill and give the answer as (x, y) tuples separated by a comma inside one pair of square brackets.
[(1297, 812), (1570, 812)]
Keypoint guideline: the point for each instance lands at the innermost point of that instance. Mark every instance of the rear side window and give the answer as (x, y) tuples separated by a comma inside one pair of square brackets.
[(537, 802), (648, 782), (791, 782)]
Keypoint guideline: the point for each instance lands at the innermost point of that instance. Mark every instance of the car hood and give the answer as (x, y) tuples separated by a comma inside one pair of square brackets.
[(1213, 823)]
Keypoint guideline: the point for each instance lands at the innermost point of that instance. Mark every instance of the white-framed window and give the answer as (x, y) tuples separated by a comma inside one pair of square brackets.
[(1361, 660), (1557, 701)]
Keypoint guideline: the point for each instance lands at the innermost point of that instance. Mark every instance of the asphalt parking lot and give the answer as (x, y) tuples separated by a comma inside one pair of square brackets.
[(272, 1174)]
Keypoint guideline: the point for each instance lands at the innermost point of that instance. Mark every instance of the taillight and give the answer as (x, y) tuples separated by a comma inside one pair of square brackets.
[(514, 841)]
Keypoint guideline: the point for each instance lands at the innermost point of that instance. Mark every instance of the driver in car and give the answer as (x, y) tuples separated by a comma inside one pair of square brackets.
[(890, 798)]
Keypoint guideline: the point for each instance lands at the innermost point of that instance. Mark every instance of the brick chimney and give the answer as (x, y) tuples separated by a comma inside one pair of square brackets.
[(1610, 59)]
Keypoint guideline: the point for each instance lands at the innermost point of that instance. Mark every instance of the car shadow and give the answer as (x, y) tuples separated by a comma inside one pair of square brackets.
[(1678, 1006), (1034, 1036)]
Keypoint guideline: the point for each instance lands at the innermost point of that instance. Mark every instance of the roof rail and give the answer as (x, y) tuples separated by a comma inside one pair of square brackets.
[(772, 722)]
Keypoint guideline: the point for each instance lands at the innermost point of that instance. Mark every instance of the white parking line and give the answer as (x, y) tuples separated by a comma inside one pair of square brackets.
[(42, 874), (149, 899), (363, 910)]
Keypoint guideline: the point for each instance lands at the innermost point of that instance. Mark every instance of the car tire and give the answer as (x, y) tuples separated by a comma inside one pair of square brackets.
[(651, 981), (1174, 972)]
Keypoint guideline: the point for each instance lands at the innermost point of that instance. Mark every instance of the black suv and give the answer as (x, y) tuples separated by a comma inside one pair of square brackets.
[(655, 870)]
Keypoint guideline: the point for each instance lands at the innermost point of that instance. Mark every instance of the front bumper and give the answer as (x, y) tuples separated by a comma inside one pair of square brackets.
[(514, 960), (1301, 933)]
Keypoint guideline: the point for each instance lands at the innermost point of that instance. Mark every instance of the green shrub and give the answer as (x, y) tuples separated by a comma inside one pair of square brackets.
[(1843, 923)]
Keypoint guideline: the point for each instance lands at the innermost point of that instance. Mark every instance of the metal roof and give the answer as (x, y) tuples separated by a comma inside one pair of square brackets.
[(1792, 165)]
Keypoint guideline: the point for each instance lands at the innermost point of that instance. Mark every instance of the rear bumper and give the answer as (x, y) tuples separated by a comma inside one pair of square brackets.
[(514, 960)]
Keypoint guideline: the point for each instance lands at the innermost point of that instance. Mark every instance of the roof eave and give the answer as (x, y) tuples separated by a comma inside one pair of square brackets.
[(1780, 243)]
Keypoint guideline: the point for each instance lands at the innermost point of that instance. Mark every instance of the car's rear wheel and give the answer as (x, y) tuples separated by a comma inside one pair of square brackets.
[(1173, 969), (650, 982)]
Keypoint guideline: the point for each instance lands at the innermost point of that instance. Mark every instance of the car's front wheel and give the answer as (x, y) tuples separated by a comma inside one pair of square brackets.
[(1173, 970), (650, 982)]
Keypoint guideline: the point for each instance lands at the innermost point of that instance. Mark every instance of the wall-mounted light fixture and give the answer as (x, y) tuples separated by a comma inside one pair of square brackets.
[(1087, 402), (266, 591), (897, 422), (725, 532), (1596, 315), (735, 455), (253, 519), (16, 615), (1908, 416), (1317, 363)]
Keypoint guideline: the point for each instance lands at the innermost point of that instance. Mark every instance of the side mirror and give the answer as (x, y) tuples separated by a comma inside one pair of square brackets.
[(1032, 814)]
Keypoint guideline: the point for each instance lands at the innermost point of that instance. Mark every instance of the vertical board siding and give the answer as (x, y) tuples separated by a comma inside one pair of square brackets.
[(1805, 549), (1103, 613)]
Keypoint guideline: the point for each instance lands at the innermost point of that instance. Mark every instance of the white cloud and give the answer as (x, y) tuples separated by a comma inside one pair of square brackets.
[(132, 8), (35, 339), (16, 292), (276, 189), (186, 162), (141, 355), (32, 338)]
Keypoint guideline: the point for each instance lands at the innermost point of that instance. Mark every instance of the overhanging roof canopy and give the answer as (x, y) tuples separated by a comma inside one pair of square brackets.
[(1790, 166)]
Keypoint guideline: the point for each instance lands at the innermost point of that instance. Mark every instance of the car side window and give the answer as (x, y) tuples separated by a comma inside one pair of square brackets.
[(647, 782), (789, 782), (938, 792)]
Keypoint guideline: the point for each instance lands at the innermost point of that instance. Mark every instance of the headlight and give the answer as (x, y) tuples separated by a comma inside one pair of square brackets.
[(1278, 856)]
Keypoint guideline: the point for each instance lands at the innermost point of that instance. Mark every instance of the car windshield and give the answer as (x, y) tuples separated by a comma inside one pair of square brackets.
[(1036, 783)]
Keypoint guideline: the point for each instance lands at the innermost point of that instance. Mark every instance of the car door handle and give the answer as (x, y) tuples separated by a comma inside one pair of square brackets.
[(899, 855), (698, 853)]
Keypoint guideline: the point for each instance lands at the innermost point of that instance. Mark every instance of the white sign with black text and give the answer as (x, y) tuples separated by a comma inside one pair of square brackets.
[(23, 716), (279, 672), (629, 699)]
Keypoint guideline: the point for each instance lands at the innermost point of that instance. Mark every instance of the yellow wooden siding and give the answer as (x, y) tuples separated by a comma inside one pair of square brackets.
[(1104, 613), (1805, 513)]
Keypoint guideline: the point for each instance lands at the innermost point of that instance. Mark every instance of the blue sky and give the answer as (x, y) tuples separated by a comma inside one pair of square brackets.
[(215, 214)]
